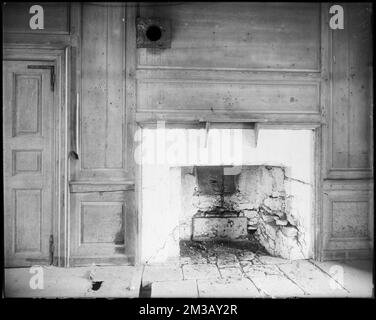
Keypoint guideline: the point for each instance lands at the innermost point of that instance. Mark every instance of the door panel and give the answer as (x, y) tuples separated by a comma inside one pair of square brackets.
[(28, 154)]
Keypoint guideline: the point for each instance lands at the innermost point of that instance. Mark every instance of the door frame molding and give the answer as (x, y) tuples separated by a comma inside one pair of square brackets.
[(60, 56)]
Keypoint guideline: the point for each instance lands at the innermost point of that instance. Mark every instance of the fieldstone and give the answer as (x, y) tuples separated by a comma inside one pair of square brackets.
[(160, 273), (270, 231), (271, 260), (267, 218), (290, 232), (193, 259), (252, 222), (212, 259), (247, 263), (312, 280), (281, 222), (219, 228), (200, 271), (264, 209), (260, 270), (231, 273), (227, 260), (277, 194), (248, 255), (185, 260), (291, 219), (251, 214), (117, 282), (275, 204), (243, 205), (177, 289), (280, 214), (289, 248), (277, 286), (227, 288)]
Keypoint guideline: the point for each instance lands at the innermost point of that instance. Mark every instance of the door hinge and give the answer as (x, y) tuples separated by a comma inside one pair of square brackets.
[(52, 71), (51, 249)]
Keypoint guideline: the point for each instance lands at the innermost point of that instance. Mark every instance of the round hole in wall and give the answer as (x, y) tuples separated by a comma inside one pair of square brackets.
[(154, 33)]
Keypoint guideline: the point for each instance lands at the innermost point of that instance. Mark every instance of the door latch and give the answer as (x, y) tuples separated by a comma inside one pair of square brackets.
[(52, 71)]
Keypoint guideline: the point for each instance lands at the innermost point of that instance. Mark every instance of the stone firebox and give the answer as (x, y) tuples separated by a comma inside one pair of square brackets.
[(242, 203), (216, 189)]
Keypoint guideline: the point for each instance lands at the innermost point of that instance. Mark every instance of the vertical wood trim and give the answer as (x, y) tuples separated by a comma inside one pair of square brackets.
[(321, 134), (130, 104), (127, 160), (371, 193), (64, 151), (78, 164), (325, 92), (75, 90), (348, 53), (318, 196)]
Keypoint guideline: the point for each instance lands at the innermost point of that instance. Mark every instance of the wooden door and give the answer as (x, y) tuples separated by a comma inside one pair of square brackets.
[(28, 109)]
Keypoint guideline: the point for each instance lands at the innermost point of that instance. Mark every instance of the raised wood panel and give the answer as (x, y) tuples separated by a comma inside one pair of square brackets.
[(103, 140), (27, 104), (99, 228), (350, 219), (16, 17), (257, 36), (102, 222), (268, 97), (28, 220), (346, 218), (26, 161), (351, 64)]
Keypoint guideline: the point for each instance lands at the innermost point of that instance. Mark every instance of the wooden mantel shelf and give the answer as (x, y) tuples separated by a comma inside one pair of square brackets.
[(100, 186), (147, 118)]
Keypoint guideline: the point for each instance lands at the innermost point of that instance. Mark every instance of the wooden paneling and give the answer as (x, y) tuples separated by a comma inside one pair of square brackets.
[(27, 161), (355, 216), (28, 219), (350, 65), (346, 220), (347, 228), (16, 17), (228, 62), (103, 122), (27, 111), (102, 213), (102, 222), (99, 232), (102, 88), (213, 96), (253, 59), (267, 36)]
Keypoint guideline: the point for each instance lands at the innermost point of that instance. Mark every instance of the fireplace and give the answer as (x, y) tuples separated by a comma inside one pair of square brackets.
[(251, 203), (222, 185)]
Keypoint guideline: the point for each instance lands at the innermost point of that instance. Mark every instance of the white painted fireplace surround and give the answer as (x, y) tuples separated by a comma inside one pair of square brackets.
[(163, 149)]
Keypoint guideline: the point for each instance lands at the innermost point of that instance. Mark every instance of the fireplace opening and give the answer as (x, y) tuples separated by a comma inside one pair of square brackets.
[(249, 203), (239, 198)]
